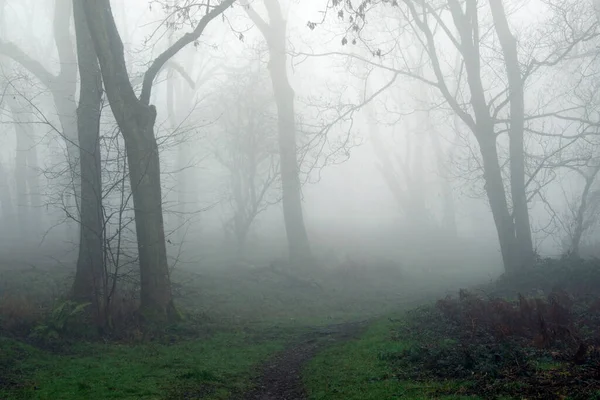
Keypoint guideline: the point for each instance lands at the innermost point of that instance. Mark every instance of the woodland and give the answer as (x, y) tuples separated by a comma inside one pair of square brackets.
[(285, 199)]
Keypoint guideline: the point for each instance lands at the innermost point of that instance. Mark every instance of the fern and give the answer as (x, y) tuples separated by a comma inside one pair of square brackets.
[(57, 321)]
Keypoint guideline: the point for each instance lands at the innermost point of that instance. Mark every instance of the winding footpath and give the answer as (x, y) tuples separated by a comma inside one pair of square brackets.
[(281, 376)]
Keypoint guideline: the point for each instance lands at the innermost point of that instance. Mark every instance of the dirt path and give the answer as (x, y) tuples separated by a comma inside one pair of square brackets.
[(281, 377)]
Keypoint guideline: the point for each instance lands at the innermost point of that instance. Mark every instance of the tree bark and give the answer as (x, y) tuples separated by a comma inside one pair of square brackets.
[(89, 285), (275, 35)]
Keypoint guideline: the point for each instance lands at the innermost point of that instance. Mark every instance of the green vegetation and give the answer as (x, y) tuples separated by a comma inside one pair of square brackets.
[(235, 321), (500, 341), (360, 370), (211, 368), (526, 342)]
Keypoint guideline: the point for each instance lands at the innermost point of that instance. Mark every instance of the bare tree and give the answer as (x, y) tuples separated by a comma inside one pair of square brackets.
[(62, 87), (249, 149), (458, 26), (275, 35), (136, 117)]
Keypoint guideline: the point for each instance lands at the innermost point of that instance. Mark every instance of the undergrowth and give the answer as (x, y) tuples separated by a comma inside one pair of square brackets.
[(540, 348), (535, 335)]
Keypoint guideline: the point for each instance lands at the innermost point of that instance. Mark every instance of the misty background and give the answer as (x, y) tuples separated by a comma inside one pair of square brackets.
[(390, 174)]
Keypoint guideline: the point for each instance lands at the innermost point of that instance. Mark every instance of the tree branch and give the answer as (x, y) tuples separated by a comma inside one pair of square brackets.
[(186, 39), (36, 68)]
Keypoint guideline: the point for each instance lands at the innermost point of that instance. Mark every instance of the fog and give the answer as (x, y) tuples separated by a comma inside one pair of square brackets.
[(390, 138)]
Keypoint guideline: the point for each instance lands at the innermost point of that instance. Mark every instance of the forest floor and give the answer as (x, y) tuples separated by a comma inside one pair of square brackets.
[(245, 334), (263, 335)]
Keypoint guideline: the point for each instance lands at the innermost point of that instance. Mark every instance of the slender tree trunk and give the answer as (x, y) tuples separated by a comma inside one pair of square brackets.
[(89, 282), (448, 207), (275, 35), (22, 203), (178, 103), (517, 122), (580, 225), (9, 223), (299, 247), (63, 88), (33, 180), (579, 221)]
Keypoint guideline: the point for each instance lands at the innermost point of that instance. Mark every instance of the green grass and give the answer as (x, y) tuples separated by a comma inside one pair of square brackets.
[(268, 304), (211, 368), (358, 370)]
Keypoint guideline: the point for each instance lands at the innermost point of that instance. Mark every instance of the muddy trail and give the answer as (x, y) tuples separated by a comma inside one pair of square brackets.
[(281, 376)]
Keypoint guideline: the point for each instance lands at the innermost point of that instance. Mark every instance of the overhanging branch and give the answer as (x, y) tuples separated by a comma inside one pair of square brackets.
[(186, 39)]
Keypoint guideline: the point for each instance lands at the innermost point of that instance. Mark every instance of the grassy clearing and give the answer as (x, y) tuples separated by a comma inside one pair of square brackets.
[(236, 319), (211, 368), (359, 370)]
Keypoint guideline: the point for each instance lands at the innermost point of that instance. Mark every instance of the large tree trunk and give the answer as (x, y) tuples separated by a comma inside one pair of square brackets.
[(275, 35), (136, 118), (144, 172), (494, 187), (136, 121), (89, 282), (517, 122)]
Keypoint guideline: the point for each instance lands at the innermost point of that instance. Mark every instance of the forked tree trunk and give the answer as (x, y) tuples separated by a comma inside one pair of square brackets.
[(482, 126), (89, 282), (517, 125), (136, 118)]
